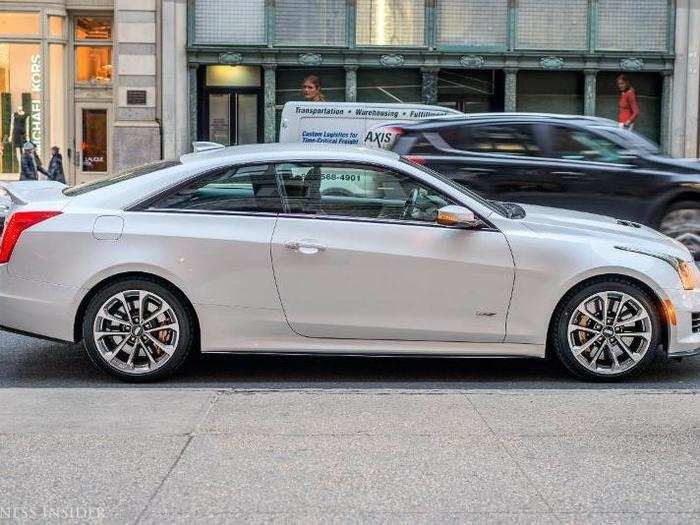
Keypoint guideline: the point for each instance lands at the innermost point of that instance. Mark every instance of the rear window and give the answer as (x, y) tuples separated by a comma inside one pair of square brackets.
[(121, 177)]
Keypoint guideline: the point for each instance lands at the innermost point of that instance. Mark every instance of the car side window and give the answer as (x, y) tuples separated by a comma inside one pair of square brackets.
[(508, 139), (237, 189), (577, 144), (351, 190)]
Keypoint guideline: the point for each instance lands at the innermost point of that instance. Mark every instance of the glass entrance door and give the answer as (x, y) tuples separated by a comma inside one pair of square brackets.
[(233, 118), (93, 141), (220, 118)]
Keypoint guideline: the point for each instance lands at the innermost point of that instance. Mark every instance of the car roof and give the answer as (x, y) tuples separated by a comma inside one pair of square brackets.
[(473, 118), (279, 152)]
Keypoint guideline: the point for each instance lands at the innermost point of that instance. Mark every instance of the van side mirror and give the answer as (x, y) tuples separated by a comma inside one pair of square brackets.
[(457, 216)]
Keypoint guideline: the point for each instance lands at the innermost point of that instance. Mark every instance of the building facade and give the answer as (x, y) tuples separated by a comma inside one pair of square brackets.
[(81, 75), (245, 58), (116, 83)]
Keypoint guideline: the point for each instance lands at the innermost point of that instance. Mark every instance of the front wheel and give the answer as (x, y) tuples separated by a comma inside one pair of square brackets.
[(137, 330), (606, 331)]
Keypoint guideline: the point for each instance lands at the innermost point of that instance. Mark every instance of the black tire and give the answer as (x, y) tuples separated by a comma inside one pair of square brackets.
[(183, 347), (672, 224), (559, 335)]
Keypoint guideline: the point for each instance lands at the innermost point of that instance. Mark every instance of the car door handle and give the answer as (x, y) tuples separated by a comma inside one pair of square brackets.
[(305, 247), (568, 175)]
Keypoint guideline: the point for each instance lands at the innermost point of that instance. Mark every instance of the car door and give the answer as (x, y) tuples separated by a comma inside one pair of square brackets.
[(377, 266), (497, 160), (217, 229), (593, 174)]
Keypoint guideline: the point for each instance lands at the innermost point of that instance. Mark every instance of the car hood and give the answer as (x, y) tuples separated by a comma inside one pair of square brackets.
[(620, 232)]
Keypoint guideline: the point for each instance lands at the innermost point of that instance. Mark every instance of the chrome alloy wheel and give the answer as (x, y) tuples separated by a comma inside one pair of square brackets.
[(609, 332), (136, 331), (684, 226)]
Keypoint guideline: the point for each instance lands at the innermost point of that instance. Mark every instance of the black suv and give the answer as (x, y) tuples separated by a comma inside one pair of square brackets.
[(575, 162)]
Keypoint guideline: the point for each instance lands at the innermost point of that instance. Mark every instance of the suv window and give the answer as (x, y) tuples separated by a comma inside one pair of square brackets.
[(240, 189), (509, 139), (351, 190), (578, 144)]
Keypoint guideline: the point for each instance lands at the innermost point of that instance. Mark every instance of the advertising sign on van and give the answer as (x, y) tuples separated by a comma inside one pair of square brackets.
[(351, 123)]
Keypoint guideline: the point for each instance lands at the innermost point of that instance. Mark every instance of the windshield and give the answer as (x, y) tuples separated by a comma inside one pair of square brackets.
[(496, 206), (124, 175)]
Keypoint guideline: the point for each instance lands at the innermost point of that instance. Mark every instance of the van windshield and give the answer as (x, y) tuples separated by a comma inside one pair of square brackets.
[(496, 206), (131, 173)]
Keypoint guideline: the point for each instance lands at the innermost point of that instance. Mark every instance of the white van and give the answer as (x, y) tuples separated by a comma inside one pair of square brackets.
[(353, 123)]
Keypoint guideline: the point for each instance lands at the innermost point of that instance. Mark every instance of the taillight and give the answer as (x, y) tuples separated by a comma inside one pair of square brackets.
[(16, 224), (416, 159)]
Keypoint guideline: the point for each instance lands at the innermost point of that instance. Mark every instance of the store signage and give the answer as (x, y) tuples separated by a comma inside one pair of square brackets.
[(37, 81)]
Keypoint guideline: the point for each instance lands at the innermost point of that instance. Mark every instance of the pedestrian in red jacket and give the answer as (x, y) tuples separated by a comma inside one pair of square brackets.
[(629, 109)]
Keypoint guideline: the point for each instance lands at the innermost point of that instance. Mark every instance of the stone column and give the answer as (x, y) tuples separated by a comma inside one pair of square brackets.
[(175, 108), (192, 81), (589, 92), (429, 91), (269, 118), (137, 133), (510, 102), (666, 94), (350, 83)]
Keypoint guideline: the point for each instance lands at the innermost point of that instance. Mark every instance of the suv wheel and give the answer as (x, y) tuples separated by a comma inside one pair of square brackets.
[(682, 222)]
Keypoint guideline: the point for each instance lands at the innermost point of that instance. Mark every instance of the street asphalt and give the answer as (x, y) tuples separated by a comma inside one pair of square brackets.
[(337, 439)]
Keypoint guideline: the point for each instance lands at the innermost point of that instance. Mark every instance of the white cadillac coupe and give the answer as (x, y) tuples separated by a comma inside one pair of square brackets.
[(338, 250)]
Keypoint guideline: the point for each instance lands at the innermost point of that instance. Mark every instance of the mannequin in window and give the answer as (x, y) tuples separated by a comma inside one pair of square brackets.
[(18, 131)]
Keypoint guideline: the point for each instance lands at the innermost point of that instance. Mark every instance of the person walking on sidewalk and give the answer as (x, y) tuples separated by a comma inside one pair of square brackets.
[(628, 106), (28, 167), (55, 171)]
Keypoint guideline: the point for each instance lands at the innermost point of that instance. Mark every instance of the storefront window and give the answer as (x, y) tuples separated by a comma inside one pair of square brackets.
[(56, 26), (19, 23), (93, 28), (93, 64), (21, 84)]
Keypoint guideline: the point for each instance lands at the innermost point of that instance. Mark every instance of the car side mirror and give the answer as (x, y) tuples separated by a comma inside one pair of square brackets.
[(457, 216)]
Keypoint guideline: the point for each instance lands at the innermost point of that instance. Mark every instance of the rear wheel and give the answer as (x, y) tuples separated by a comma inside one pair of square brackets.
[(137, 330), (607, 330), (682, 222)]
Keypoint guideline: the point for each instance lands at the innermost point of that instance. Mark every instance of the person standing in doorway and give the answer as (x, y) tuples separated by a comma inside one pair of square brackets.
[(312, 89), (628, 106), (55, 171)]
